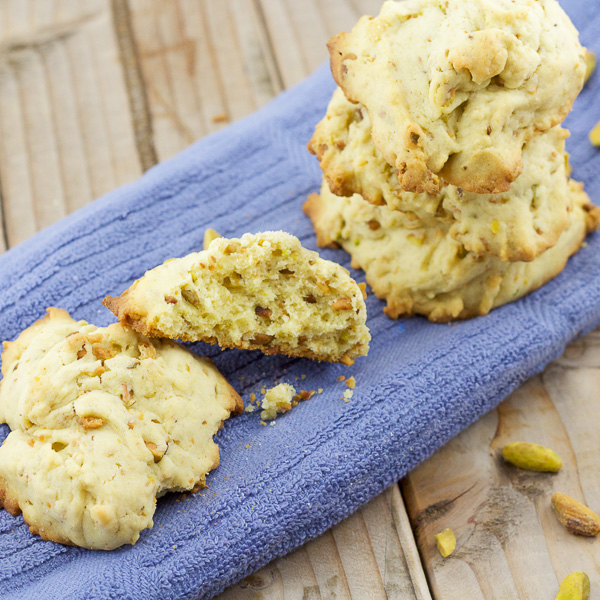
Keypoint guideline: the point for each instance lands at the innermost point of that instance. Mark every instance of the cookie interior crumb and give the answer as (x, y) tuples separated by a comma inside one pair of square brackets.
[(93, 439), (278, 399), (261, 291)]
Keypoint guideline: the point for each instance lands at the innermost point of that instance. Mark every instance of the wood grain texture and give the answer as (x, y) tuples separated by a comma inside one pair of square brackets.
[(65, 127), (370, 555), (299, 31), (138, 98), (509, 543), (204, 64)]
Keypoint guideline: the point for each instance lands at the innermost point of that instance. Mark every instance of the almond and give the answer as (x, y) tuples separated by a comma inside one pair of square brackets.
[(576, 517)]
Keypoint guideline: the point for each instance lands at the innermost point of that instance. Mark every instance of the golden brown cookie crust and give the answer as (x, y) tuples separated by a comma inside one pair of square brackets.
[(452, 99), (127, 316), (463, 292), (514, 226)]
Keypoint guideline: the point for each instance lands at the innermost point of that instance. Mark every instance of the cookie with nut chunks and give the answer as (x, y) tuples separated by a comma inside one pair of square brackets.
[(259, 292), (103, 421), (455, 89)]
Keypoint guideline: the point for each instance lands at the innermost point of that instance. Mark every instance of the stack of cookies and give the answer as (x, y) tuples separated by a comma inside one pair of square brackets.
[(445, 172)]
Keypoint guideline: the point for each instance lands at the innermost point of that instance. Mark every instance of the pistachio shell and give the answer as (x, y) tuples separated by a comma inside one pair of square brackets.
[(575, 586), (532, 457), (576, 517)]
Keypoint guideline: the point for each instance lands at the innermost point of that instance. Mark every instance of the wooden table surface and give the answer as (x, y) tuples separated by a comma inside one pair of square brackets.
[(93, 92)]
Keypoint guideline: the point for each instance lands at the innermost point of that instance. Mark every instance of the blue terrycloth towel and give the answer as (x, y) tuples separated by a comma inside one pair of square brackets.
[(420, 385)]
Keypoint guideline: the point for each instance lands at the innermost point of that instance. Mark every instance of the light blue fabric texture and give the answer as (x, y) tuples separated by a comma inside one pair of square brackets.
[(420, 385)]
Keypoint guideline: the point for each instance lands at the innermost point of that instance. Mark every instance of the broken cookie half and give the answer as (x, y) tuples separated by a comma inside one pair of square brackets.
[(104, 421), (262, 291)]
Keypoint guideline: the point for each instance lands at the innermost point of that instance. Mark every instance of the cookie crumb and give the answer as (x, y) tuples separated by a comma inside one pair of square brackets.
[(250, 408), (220, 118), (351, 382), (277, 400), (340, 378)]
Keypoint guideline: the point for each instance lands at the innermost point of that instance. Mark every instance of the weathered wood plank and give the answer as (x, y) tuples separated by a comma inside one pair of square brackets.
[(3, 239), (509, 543), (204, 64), (65, 127), (299, 31), (372, 554), (138, 97)]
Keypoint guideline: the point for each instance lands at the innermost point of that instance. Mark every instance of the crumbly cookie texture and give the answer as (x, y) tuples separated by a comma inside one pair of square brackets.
[(262, 291), (278, 399), (517, 225), (97, 428), (454, 89), (425, 271)]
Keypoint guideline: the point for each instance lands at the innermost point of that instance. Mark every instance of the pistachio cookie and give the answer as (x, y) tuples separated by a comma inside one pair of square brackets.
[(262, 291), (425, 271), (517, 225), (104, 420), (454, 89)]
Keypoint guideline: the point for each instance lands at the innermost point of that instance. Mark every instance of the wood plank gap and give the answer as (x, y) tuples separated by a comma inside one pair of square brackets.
[(215, 62), (413, 557), (179, 13), (47, 83), (26, 143), (4, 231), (134, 82), (272, 64)]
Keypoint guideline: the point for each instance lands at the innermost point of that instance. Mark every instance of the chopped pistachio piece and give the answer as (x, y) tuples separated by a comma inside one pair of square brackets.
[(446, 542), (575, 586), (209, 236), (595, 135), (590, 65)]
